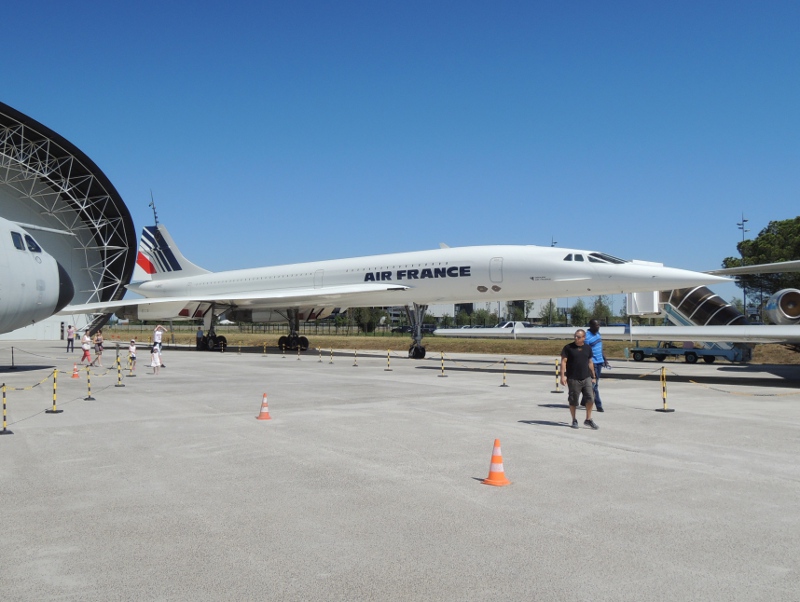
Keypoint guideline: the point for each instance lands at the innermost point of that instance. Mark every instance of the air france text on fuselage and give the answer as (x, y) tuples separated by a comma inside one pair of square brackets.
[(462, 271)]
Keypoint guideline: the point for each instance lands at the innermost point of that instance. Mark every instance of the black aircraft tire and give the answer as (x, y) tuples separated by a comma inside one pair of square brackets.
[(283, 343), (303, 342), (211, 343)]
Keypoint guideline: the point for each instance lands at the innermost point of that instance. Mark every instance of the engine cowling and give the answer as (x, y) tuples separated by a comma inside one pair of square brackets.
[(784, 307)]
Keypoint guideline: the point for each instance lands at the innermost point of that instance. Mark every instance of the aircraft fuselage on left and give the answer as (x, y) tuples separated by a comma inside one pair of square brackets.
[(34, 285)]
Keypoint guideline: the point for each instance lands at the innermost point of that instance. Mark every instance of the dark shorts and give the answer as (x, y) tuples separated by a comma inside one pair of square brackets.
[(576, 387)]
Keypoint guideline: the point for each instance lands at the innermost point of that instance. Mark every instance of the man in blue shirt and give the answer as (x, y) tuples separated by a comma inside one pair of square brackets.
[(595, 341)]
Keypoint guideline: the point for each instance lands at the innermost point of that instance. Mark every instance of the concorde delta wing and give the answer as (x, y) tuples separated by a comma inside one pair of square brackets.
[(712, 334), (280, 298)]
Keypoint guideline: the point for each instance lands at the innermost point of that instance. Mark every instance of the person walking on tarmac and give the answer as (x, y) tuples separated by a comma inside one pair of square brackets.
[(86, 345), (577, 373), (199, 337), (70, 338), (155, 358), (98, 349), (132, 355), (157, 333), (595, 341)]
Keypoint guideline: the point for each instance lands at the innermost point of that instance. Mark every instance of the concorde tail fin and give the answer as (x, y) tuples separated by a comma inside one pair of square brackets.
[(159, 257)]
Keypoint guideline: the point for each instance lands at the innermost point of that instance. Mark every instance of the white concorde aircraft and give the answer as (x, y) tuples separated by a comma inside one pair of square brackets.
[(34, 286), (175, 288), (782, 310)]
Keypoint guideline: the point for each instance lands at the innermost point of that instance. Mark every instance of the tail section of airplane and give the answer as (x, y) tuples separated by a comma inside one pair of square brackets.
[(160, 258)]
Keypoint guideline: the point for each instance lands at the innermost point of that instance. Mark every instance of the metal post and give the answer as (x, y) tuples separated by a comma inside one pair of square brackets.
[(119, 373), (5, 430), (388, 364), (331, 356), (355, 358), (504, 373), (442, 375), (88, 385), (558, 378), (55, 387), (664, 392)]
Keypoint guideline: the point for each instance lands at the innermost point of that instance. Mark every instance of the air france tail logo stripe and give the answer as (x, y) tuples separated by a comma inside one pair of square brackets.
[(454, 271), (154, 257)]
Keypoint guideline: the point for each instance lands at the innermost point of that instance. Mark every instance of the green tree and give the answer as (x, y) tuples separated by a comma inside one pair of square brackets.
[(548, 313), (601, 309), (779, 241), (482, 317), (579, 313), (462, 318)]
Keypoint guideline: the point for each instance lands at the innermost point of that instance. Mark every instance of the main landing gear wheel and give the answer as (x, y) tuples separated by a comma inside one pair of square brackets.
[(213, 342), (416, 352), (292, 343)]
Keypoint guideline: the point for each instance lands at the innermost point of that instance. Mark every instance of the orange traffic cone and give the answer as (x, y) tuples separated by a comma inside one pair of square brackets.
[(497, 475), (264, 413), (75, 371)]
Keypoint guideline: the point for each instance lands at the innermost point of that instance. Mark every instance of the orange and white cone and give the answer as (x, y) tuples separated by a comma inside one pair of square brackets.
[(75, 371), (497, 475), (264, 413)]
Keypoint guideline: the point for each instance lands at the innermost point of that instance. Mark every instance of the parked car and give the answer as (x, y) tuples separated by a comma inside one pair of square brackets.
[(513, 324), (402, 329)]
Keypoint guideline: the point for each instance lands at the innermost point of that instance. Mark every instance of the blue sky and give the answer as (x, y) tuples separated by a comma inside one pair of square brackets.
[(280, 132)]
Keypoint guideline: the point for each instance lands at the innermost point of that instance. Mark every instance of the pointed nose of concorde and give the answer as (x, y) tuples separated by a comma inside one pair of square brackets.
[(662, 278)]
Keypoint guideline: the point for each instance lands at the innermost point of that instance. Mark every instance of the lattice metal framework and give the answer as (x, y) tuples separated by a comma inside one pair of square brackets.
[(68, 192)]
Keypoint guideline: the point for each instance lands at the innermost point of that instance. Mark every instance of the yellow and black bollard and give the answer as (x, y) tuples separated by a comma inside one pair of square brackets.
[(55, 388), (265, 350), (119, 374), (298, 352), (388, 367), (442, 375), (355, 358), (558, 378), (504, 373), (330, 362), (319, 350), (5, 430), (88, 385), (283, 351), (664, 408)]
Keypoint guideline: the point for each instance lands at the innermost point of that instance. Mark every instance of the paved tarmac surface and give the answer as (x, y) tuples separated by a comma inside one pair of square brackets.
[(365, 485)]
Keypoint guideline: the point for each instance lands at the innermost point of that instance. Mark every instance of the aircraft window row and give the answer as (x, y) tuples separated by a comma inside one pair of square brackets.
[(32, 245), (394, 267), (595, 258)]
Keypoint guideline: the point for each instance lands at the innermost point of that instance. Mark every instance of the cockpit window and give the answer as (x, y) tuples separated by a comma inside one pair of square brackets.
[(17, 238), (578, 257), (605, 258), (568, 257), (33, 246)]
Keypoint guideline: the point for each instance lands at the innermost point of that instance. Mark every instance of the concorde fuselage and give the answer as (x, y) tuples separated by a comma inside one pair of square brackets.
[(491, 273)]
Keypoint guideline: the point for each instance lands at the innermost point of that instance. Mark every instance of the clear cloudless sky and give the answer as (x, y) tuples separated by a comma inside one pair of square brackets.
[(276, 132)]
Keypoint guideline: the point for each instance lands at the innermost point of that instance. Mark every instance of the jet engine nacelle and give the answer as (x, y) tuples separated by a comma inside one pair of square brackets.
[(784, 307), (304, 314), (255, 315)]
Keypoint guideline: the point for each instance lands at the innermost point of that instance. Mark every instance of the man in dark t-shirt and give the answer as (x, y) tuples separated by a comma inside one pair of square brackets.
[(577, 372)]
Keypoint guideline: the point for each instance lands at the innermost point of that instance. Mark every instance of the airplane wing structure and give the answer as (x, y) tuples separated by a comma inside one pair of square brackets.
[(711, 334), (279, 298)]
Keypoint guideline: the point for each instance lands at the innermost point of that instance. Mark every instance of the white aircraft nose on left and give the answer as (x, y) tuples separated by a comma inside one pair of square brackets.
[(34, 285)]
